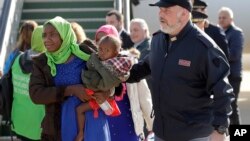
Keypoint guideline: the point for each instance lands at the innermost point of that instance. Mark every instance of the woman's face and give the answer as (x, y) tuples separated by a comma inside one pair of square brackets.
[(51, 38), (137, 33), (26, 34)]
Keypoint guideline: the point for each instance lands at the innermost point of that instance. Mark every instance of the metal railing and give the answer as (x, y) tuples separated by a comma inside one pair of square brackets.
[(10, 17), (123, 6), (3, 23), (118, 5)]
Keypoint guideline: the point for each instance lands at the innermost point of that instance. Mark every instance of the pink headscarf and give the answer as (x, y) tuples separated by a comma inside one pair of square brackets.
[(108, 29)]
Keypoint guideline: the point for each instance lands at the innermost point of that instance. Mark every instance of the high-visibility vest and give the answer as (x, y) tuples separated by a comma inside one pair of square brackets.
[(25, 115)]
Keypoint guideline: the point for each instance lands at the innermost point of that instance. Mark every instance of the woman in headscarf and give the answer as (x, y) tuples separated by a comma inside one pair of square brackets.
[(56, 83), (134, 101), (23, 42)]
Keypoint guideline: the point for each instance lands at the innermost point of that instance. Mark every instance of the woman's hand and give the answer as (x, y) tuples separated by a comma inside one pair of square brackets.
[(78, 91), (101, 96)]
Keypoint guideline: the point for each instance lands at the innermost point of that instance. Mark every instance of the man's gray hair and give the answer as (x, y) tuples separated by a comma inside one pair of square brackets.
[(228, 10), (143, 25)]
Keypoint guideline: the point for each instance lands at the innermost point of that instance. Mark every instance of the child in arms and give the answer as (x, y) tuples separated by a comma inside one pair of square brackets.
[(106, 69)]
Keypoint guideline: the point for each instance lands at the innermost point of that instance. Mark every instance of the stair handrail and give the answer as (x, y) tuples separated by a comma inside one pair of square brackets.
[(126, 13), (10, 19), (123, 6), (3, 19)]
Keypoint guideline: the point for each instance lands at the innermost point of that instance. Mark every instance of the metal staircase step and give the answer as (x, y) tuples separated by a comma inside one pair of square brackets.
[(90, 14), (68, 4), (64, 14)]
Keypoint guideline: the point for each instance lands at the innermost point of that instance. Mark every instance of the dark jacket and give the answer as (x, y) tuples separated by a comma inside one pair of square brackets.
[(183, 80), (218, 36), (144, 48), (43, 91), (235, 42), (126, 40)]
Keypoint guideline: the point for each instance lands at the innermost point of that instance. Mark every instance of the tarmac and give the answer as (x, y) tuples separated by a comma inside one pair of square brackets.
[(244, 97)]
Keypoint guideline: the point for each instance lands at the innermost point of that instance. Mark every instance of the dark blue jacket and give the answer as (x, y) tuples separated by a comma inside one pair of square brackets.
[(235, 42), (144, 48), (183, 80), (218, 36)]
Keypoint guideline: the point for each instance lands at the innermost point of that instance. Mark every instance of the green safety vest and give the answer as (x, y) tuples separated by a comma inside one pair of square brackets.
[(25, 115)]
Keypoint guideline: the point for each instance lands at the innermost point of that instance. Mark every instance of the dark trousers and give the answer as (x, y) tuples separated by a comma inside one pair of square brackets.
[(197, 139), (235, 117)]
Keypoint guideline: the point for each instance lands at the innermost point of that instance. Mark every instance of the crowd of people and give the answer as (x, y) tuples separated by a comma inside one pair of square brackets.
[(180, 84)]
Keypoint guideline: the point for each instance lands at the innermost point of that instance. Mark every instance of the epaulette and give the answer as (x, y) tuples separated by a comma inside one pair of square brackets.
[(159, 31), (205, 39)]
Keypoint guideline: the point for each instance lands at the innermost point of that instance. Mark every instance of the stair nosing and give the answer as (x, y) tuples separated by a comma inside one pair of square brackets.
[(48, 1), (66, 10), (72, 19)]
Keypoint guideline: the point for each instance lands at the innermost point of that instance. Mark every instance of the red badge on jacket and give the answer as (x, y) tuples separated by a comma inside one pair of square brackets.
[(185, 63)]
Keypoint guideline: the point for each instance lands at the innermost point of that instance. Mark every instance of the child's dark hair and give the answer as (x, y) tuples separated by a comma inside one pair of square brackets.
[(115, 41)]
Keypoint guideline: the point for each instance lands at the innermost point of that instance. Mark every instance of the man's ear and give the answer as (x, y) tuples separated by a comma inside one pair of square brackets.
[(231, 20)]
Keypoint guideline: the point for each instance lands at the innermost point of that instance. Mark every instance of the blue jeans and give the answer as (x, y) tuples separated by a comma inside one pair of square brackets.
[(197, 139)]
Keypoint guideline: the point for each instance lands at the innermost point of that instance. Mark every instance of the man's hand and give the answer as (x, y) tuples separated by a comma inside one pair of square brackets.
[(215, 136), (150, 136)]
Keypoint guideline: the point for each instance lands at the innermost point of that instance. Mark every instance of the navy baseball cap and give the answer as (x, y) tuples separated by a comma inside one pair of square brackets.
[(168, 3), (199, 4)]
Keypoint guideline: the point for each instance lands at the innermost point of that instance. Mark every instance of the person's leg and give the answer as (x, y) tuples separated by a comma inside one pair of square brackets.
[(80, 110), (235, 117), (201, 139)]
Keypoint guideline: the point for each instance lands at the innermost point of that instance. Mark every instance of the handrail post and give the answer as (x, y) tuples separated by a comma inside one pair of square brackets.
[(10, 20), (126, 13), (118, 5)]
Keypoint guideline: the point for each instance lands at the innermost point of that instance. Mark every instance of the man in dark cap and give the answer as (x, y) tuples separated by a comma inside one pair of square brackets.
[(216, 33), (198, 18), (190, 92), (199, 5)]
